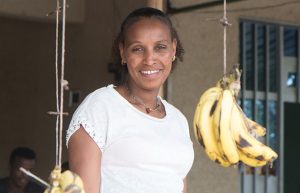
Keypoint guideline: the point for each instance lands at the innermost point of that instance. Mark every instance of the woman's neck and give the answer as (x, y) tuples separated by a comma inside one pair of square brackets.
[(145, 100), (147, 97)]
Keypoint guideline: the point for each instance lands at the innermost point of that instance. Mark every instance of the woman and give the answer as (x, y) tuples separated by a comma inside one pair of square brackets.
[(126, 139)]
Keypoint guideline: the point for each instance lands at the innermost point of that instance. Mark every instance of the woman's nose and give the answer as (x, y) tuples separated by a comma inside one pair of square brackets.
[(149, 58)]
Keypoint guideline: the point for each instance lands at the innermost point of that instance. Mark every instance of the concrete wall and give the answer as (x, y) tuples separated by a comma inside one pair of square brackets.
[(37, 10), (27, 57)]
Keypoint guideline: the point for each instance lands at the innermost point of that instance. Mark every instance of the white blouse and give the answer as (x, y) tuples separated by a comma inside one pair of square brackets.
[(140, 153)]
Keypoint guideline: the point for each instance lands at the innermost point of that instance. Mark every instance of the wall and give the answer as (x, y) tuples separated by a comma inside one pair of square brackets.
[(37, 10)]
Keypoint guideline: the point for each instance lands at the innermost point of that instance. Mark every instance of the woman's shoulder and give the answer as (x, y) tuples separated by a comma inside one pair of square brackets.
[(100, 93), (103, 91), (99, 98)]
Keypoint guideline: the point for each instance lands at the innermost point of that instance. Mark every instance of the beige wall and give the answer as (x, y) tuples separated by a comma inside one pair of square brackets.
[(37, 9), (26, 58), (27, 74)]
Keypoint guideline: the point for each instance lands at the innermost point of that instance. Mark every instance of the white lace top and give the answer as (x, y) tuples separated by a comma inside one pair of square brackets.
[(140, 153)]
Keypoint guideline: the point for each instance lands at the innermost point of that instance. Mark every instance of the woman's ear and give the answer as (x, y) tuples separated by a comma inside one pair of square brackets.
[(174, 45), (121, 48)]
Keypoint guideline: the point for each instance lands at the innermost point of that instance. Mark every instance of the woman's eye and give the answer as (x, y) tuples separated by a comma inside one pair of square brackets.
[(138, 49), (160, 47)]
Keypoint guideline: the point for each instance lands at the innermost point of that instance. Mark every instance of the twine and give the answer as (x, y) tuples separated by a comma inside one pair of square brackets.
[(225, 23)]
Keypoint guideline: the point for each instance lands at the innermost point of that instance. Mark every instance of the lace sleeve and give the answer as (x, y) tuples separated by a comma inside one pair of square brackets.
[(92, 117)]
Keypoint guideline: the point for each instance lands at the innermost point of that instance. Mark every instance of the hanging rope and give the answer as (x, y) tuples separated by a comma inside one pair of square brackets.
[(61, 84), (56, 78), (224, 22), (225, 30), (66, 181)]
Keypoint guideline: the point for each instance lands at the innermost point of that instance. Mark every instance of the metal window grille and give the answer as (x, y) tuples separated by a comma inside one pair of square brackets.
[(267, 50)]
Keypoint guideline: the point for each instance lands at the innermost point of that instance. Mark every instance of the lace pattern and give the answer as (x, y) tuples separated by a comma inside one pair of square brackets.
[(89, 128)]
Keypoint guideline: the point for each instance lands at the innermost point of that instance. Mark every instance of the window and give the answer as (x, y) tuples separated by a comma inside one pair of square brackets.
[(269, 56)]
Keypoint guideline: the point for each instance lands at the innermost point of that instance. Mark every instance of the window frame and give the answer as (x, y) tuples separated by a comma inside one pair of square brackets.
[(267, 95)]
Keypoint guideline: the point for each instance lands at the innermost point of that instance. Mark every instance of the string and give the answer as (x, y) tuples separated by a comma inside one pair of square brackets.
[(63, 85), (56, 80), (62, 81), (224, 22), (225, 27)]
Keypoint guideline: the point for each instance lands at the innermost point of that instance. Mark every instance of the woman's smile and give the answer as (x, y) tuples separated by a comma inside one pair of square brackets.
[(150, 73)]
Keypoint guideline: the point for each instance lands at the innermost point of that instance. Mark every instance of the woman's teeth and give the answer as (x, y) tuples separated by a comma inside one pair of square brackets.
[(150, 72)]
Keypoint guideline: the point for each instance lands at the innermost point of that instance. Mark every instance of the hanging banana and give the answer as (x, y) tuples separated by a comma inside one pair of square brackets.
[(204, 118), (66, 182), (225, 132)]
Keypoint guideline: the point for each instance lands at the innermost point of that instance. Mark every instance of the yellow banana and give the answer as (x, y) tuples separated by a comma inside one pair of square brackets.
[(222, 121), (66, 182), (246, 143), (252, 125), (252, 161), (207, 95), (256, 154), (71, 182), (223, 129), (203, 123), (256, 128), (216, 131), (270, 154), (217, 157)]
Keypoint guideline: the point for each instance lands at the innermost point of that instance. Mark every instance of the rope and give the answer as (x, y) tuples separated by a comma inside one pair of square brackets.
[(59, 102), (56, 80), (225, 27), (63, 83), (224, 22)]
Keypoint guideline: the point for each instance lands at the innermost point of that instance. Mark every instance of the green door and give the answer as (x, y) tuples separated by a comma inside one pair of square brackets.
[(291, 148)]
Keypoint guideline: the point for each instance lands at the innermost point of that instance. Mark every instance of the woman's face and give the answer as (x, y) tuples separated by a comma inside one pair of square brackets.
[(148, 50)]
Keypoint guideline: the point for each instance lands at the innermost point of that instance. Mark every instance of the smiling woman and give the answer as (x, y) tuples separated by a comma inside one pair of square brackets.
[(125, 138), (147, 51)]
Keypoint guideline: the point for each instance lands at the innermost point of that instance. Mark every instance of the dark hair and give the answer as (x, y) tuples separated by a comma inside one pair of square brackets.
[(22, 152), (138, 14)]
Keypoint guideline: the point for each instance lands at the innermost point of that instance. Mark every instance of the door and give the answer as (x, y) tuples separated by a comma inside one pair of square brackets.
[(291, 148)]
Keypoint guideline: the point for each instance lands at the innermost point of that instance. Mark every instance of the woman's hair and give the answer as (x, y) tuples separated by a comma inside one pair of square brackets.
[(120, 70)]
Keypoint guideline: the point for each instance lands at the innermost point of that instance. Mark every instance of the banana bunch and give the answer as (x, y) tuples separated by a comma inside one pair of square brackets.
[(66, 182), (222, 128)]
